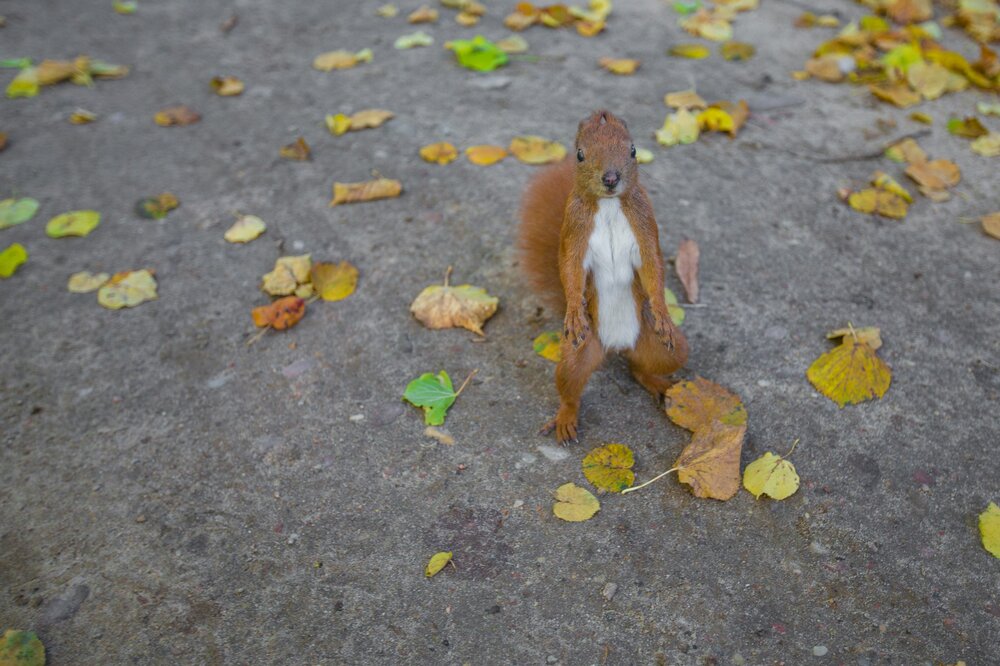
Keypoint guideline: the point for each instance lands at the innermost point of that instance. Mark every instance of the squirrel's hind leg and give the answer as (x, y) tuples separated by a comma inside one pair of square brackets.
[(651, 361), (572, 373)]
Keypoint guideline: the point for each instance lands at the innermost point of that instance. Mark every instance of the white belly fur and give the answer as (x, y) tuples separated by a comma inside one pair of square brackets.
[(612, 258)]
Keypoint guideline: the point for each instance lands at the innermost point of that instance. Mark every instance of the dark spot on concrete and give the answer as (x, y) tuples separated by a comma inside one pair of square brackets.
[(65, 606)]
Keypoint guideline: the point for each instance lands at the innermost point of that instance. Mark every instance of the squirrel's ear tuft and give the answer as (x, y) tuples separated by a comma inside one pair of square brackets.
[(604, 117)]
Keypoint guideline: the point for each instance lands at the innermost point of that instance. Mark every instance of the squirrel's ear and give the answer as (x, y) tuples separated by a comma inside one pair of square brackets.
[(604, 117)]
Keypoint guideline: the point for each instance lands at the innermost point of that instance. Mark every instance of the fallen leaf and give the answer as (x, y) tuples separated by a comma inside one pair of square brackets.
[(906, 151), (370, 118), (466, 19), (82, 117), (987, 146), (556, 16), (513, 44), (738, 112), (176, 115), (245, 229), (485, 155), (73, 223), (684, 99), (850, 373), (439, 435), (708, 24), (3, 141), (21, 648), (436, 563), (610, 467), (686, 265), (16, 211), (969, 128), (289, 272), (226, 86), (714, 119), (989, 529), (771, 475), (332, 60), (988, 108), (11, 258), (870, 335), (935, 174), (710, 464), (434, 393), (443, 306), (125, 6), (575, 504), (737, 51), (279, 315), (696, 404), (334, 282), (478, 54), (127, 289), (387, 11), (692, 51), (680, 127), (85, 282), (884, 181), (677, 313), (643, 155), (423, 14), (369, 190), (519, 20), (25, 84), (536, 150), (297, 150), (928, 79), (991, 224), (439, 153), (548, 345), (873, 200), (623, 66), (898, 94), (685, 7), (413, 40), (156, 208), (338, 124), (921, 117), (909, 11)]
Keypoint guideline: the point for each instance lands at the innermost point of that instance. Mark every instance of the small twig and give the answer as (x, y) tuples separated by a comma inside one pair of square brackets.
[(447, 276), (794, 444), (258, 335), (467, 380), (655, 478)]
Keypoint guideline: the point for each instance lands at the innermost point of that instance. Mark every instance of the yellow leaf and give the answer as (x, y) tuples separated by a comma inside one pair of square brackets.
[(424, 14), (928, 79), (709, 25), (622, 66), (226, 86), (921, 117), (11, 258), (334, 282), (589, 28), (513, 44), (715, 120), (338, 124), (697, 403), (987, 146), (771, 475), (989, 529), (898, 94), (710, 464), (485, 155), (245, 229), (884, 181), (85, 282), (680, 127), (850, 373), (864, 201), (684, 99), (419, 38), (692, 51), (25, 84), (387, 11), (610, 467), (906, 151), (549, 346), (439, 153), (297, 150), (82, 117), (536, 150), (466, 19), (176, 115), (370, 118), (991, 224), (127, 289), (575, 504), (369, 190), (288, 273), (331, 60), (737, 51), (73, 223), (464, 306), (437, 562), (643, 155)]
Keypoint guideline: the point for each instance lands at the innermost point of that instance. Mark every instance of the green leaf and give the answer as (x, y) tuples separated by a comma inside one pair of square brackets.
[(478, 53), (125, 6), (73, 223), (432, 392), (16, 211), (437, 562), (16, 63), (11, 258), (677, 313), (685, 7), (21, 648)]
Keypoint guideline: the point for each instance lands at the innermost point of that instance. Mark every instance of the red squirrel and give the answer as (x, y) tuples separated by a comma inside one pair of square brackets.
[(588, 240)]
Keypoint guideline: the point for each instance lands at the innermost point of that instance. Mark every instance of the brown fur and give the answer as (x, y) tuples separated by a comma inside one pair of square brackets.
[(557, 219)]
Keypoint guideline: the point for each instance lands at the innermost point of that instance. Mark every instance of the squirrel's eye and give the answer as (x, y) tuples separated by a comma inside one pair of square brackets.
[(579, 155), (633, 152)]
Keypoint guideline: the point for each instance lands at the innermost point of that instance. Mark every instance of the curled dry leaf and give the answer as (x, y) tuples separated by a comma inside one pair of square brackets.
[(708, 24), (710, 464), (969, 128), (332, 60), (737, 51), (686, 266), (991, 224), (464, 306), (935, 174), (575, 504), (423, 14), (226, 86), (870, 335), (485, 155), (906, 151), (73, 223), (684, 99), (466, 19), (850, 373), (413, 40), (898, 94), (288, 274), (82, 117), (387, 11), (622, 66), (691, 51), (245, 229), (369, 190), (610, 467), (297, 150), (439, 153), (436, 563), (334, 282), (176, 115), (156, 208), (548, 345), (11, 259), (439, 435), (281, 314), (127, 289), (85, 282), (513, 44), (370, 118)]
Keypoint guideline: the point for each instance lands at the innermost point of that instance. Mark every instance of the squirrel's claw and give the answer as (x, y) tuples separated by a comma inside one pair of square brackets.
[(576, 328), (564, 428)]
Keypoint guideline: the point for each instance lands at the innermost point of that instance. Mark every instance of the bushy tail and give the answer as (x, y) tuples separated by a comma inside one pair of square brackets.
[(542, 211)]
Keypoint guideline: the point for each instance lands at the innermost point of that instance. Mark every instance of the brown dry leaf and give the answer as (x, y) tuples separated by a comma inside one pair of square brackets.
[(444, 306), (622, 66), (968, 128), (710, 464), (697, 403), (50, 72), (439, 435), (281, 314), (519, 20), (898, 94), (536, 150), (883, 202), (686, 265), (485, 155), (288, 273), (424, 14), (589, 28), (3, 140), (466, 19), (227, 86), (369, 190), (684, 99), (906, 151), (870, 335), (439, 153), (928, 79), (370, 118), (935, 175), (298, 150), (331, 60), (909, 11), (991, 224), (176, 115), (82, 117), (826, 67)]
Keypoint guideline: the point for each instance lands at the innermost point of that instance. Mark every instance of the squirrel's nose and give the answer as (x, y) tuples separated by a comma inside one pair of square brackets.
[(611, 178)]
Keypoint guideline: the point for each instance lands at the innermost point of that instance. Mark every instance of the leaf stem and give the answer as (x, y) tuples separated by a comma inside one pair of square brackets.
[(447, 275), (794, 444), (655, 478), (467, 380), (258, 335)]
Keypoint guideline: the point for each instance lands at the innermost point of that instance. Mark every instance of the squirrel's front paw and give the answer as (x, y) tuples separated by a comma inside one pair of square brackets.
[(577, 328), (663, 326)]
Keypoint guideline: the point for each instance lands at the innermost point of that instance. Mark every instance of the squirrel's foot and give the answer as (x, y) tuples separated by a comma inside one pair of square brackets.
[(576, 327), (663, 327), (564, 425)]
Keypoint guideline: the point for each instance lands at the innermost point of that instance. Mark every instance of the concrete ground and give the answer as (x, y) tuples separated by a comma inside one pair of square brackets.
[(171, 496)]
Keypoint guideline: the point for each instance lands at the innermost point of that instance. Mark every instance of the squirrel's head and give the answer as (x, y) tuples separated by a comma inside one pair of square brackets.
[(605, 155)]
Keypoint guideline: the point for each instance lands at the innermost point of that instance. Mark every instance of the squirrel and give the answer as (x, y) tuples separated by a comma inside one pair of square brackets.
[(589, 242)]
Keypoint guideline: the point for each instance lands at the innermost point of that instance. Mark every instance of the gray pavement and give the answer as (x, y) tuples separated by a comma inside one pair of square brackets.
[(170, 496)]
